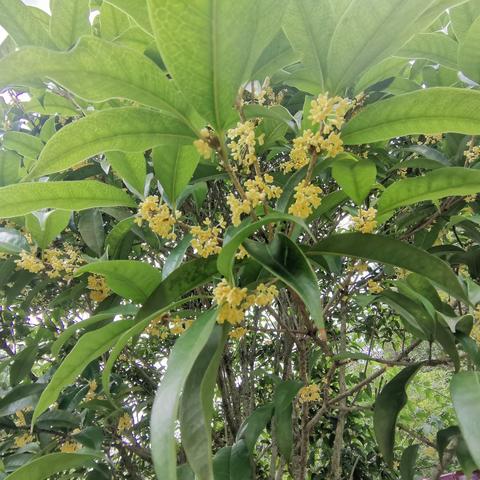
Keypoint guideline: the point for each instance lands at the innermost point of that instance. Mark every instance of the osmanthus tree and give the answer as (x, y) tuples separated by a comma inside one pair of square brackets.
[(233, 233)]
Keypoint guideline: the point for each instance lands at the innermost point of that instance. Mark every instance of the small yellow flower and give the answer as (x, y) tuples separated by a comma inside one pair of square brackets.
[(179, 325), (242, 144), (238, 333), (470, 198), (203, 148), (99, 290), (374, 287), (307, 197), (23, 440), (206, 240), (159, 217), (124, 423), (309, 393), (242, 253), (70, 447), (237, 208), (92, 386), (265, 295), (28, 261), (20, 422), (365, 220)]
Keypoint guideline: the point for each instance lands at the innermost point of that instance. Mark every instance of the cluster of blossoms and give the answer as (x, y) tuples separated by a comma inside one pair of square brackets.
[(99, 290), (365, 221), (238, 333), (92, 387), (179, 325), (206, 241), (70, 447), (242, 144), (266, 94), (431, 139), (235, 301), (124, 423), (159, 217), (472, 154), (54, 262), (309, 393), (374, 287), (154, 329), (329, 114), (203, 144), (257, 191), (23, 440), (307, 197)]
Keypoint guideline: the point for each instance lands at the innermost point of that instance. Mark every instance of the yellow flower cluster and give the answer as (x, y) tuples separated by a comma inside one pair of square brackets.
[(159, 217), (23, 440), (257, 190), (20, 422), (207, 241), (70, 447), (179, 325), (470, 198), (99, 290), (238, 333), (124, 423), (235, 301), (242, 144), (155, 330), (28, 261), (242, 253), (374, 287), (365, 220), (329, 111), (202, 144), (307, 197), (309, 393), (431, 139), (472, 153), (92, 387)]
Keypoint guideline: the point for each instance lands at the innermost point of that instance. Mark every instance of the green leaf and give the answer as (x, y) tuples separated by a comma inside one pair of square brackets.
[(23, 198), (45, 226), (221, 464), (130, 129), (90, 227), (240, 466), (117, 235), (254, 425), (408, 461), (69, 21), (19, 398), (175, 258), (196, 406), (361, 40), (9, 167), (137, 10), (12, 241), (165, 407), (88, 348), (463, 16), (427, 111), (44, 467), (465, 391), (434, 185), (391, 252), (23, 143), (286, 261), (185, 278), (388, 405), (355, 176), (128, 278), (237, 235), (96, 71), (130, 167), (282, 399), (435, 47), (468, 55), (224, 41), (174, 167), (22, 24), (22, 364)]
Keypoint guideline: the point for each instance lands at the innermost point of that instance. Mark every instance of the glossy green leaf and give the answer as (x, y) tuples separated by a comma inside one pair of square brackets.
[(96, 70), (22, 364), (128, 278), (9, 167), (355, 176), (468, 55), (237, 235), (427, 111), (42, 468), (465, 391), (46, 226), (221, 464), (137, 10), (69, 21), (240, 467), (408, 461), (19, 398), (463, 16), (88, 348), (130, 129), (165, 407), (175, 258), (391, 252), (286, 261), (440, 183), (131, 167), (23, 143), (22, 24), (12, 241), (436, 47), (224, 41), (254, 425), (388, 405), (196, 406), (282, 400), (23, 198), (174, 167), (90, 227), (116, 236)]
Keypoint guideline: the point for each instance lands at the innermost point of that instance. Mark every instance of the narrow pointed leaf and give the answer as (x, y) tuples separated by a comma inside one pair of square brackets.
[(130, 167), (69, 21), (45, 226), (23, 198)]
